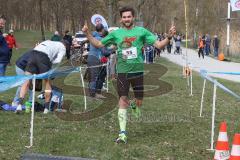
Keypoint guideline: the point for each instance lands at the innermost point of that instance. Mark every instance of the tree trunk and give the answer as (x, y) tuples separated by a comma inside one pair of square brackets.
[(73, 23), (140, 3), (110, 12), (154, 23), (41, 20)]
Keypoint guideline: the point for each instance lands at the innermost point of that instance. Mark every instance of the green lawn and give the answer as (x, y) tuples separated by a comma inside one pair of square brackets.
[(169, 128)]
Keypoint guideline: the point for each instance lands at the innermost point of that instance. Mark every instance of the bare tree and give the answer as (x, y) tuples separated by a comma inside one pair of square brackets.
[(41, 19)]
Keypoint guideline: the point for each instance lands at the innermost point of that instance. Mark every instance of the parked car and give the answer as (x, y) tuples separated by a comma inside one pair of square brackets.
[(78, 39)]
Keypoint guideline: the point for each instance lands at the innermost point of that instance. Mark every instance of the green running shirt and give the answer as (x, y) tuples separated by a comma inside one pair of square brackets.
[(129, 44)]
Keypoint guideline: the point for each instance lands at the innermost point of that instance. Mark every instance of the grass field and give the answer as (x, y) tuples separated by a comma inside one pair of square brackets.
[(169, 129)]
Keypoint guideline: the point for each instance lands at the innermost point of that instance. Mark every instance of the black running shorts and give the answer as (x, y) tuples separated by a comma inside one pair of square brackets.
[(38, 63), (124, 80)]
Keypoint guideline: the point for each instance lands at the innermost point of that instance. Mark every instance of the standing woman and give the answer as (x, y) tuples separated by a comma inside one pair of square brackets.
[(11, 41)]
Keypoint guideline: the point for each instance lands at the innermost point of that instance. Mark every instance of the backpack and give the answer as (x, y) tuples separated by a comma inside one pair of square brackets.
[(56, 101)]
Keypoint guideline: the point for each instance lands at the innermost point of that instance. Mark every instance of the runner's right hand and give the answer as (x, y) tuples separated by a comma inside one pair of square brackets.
[(172, 31)]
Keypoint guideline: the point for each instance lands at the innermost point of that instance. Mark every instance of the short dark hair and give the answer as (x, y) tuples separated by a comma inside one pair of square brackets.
[(99, 27), (67, 31), (127, 9)]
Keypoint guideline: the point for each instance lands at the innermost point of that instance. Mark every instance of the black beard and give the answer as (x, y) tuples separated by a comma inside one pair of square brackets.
[(128, 26)]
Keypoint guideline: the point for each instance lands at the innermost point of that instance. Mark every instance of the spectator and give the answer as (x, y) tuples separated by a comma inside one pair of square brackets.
[(169, 46), (148, 49), (178, 41), (208, 44), (93, 60), (204, 43), (200, 47), (56, 37), (68, 40), (216, 45), (11, 41), (106, 52), (37, 61), (4, 50)]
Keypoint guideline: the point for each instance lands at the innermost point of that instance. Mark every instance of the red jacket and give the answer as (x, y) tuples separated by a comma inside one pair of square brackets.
[(200, 43), (11, 41)]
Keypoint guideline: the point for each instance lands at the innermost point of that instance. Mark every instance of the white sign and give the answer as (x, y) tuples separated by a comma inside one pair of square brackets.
[(98, 19), (235, 4)]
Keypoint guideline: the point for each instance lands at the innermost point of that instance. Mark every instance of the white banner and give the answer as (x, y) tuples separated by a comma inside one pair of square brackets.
[(97, 18), (235, 5)]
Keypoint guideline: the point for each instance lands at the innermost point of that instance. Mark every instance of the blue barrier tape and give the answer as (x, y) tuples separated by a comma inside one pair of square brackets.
[(203, 74), (8, 82), (229, 73)]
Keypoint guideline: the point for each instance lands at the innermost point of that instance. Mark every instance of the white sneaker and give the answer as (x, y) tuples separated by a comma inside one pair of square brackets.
[(19, 108), (99, 96), (14, 104), (45, 111)]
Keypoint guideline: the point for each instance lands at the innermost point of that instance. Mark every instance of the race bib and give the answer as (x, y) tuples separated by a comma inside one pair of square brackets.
[(129, 53)]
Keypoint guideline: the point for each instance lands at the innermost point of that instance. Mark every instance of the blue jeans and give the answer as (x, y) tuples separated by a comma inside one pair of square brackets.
[(151, 56), (93, 72), (19, 71), (207, 49), (3, 67), (147, 57), (101, 78), (215, 52)]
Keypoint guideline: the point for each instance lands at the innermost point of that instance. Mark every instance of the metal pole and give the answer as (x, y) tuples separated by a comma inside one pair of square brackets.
[(32, 115), (190, 70), (228, 28), (84, 93), (213, 116), (186, 25), (107, 76)]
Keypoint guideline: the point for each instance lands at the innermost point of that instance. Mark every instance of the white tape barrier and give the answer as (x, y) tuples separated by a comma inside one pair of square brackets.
[(32, 114)]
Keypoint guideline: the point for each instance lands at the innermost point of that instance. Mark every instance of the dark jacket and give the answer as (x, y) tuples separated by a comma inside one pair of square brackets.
[(4, 50), (68, 38), (56, 38), (216, 43)]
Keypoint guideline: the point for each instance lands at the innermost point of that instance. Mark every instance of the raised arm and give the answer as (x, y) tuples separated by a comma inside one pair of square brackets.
[(96, 43), (163, 43)]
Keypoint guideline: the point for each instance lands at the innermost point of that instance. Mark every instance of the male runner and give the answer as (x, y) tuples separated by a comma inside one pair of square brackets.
[(129, 40)]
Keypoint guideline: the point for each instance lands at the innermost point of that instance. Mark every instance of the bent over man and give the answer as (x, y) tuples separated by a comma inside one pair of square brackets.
[(37, 61)]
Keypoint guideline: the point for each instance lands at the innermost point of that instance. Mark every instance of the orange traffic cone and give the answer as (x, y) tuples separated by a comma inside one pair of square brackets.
[(235, 153), (222, 147)]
